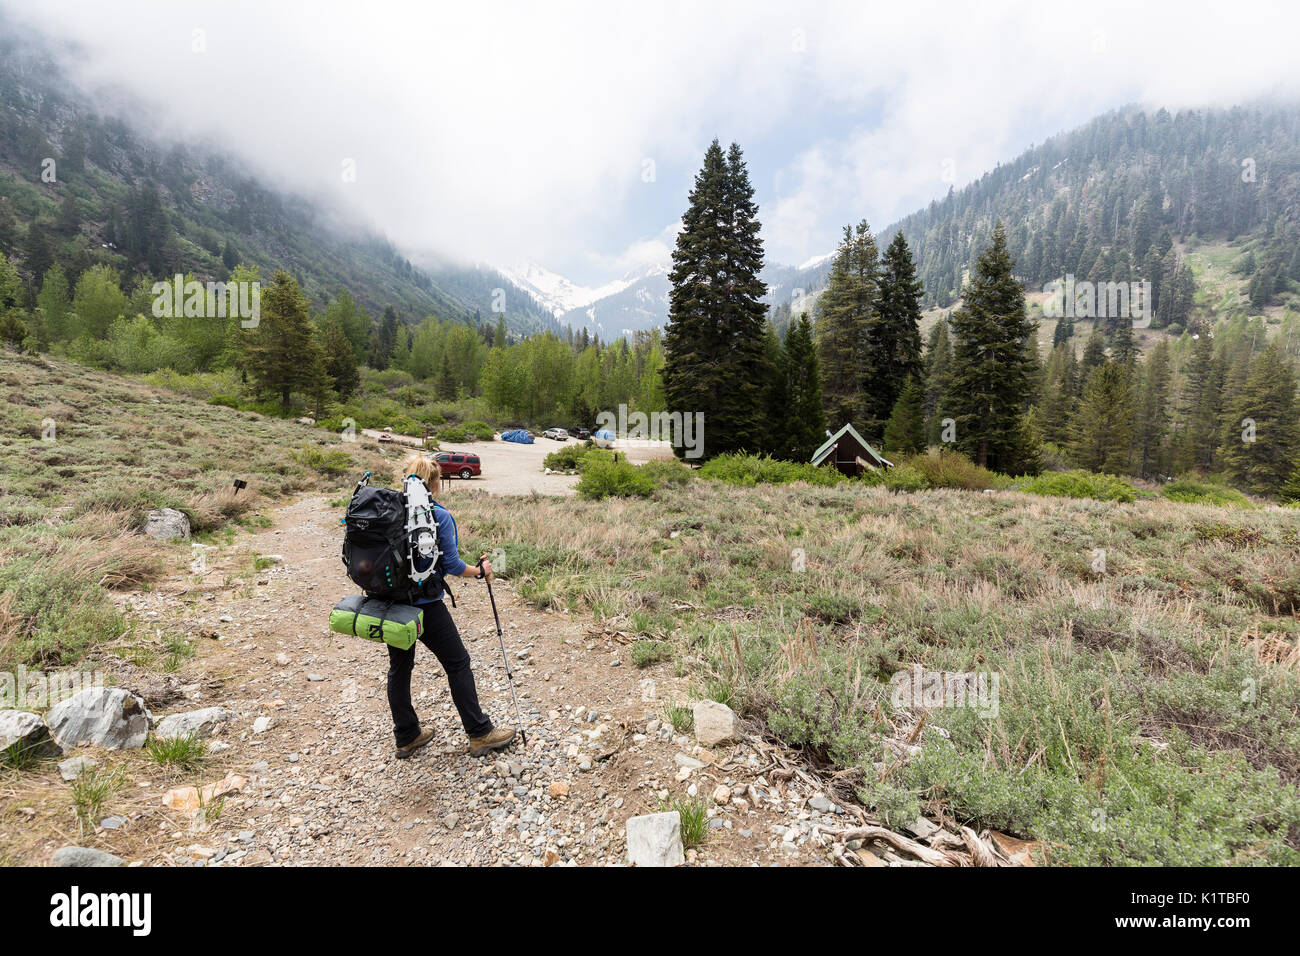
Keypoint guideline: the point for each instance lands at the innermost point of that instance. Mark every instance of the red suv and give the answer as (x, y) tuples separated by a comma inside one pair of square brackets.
[(456, 465)]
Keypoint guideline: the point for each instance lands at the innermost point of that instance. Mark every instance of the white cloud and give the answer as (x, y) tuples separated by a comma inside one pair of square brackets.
[(505, 131)]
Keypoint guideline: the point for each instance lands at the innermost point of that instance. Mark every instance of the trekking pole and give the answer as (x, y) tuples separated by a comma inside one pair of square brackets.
[(510, 675)]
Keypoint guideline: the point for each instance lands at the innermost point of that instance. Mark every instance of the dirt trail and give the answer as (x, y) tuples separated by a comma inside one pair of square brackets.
[(323, 787)]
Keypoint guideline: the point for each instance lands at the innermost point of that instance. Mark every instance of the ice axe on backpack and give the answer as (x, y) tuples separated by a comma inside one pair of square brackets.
[(510, 675)]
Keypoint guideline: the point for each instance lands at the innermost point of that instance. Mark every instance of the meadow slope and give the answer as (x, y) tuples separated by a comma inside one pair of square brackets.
[(1145, 654)]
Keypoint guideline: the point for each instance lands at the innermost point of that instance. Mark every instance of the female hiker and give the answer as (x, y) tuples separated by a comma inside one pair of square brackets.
[(441, 637)]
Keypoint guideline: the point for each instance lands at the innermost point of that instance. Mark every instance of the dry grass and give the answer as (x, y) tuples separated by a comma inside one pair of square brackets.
[(71, 509), (1185, 635)]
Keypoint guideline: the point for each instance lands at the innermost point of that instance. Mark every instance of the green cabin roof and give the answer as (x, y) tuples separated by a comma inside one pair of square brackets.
[(821, 454)]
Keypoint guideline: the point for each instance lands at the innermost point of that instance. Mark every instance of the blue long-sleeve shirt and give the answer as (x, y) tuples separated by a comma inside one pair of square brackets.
[(449, 563)]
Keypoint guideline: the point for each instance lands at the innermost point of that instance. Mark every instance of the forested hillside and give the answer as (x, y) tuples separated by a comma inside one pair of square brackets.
[(79, 188), (1113, 199), (1125, 198)]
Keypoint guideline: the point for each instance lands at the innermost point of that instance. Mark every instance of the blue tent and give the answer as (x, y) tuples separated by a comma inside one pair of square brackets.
[(519, 436), (605, 438)]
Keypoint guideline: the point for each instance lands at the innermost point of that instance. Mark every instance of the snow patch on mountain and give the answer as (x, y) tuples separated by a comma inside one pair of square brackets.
[(558, 294), (816, 261)]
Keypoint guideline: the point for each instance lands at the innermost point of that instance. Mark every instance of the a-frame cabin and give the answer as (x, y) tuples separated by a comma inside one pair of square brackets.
[(850, 453)]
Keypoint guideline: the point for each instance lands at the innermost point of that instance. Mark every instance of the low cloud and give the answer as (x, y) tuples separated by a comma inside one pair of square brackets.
[(498, 132)]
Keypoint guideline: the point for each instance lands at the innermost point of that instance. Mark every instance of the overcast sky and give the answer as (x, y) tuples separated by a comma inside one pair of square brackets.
[(569, 133)]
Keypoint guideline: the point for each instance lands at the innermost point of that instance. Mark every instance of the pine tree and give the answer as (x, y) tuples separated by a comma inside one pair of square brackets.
[(10, 284), (499, 336), (280, 355), (938, 359), (38, 255), (905, 430), (316, 380), (841, 335), (776, 395), (805, 419), (992, 375), (1060, 391), (1103, 427), (1203, 399), (1260, 436), (13, 329), (445, 384), (1063, 332), (340, 360), (1094, 355), (352, 321), (383, 340), (1153, 412), (893, 349), (844, 325), (714, 361), (1122, 346)]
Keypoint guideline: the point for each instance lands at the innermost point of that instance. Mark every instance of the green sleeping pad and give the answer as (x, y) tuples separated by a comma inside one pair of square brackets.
[(397, 624)]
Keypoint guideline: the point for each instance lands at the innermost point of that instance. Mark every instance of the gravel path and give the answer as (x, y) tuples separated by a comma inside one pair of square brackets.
[(322, 786)]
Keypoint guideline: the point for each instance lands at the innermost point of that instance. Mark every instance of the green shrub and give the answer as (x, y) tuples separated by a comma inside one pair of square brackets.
[(569, 457), (453, 434), (667, 473), (645, 653), (327, 461), (750, 470), (905, 478), (1079, 484), (602, 479), (946, 468), (1203, 493), (479, 430)]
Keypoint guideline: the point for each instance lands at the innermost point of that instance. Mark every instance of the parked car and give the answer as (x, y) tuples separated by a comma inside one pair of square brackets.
[(581, 434), (457, 465), (558, 434)]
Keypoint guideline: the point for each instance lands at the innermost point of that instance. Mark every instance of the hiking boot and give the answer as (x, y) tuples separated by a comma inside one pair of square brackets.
[(405, 752), (493, 740)]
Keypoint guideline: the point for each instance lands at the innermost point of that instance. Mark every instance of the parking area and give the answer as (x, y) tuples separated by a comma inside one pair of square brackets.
[(511, 469)]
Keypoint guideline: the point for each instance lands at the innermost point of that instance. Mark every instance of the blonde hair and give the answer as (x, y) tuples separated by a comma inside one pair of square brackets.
[(422, 466)]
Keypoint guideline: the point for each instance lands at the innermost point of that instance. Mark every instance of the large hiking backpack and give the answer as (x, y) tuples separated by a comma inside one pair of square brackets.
[(381, 539)]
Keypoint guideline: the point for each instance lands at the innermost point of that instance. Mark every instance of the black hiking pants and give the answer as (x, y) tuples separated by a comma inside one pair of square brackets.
[(441, 637)]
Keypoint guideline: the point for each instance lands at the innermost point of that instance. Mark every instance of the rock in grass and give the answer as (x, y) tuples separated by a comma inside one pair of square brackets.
[(200, 723), (716, 724), (74, 767), (167, 524), (107, 717), (655, 839), (84, 856), (27, 734)]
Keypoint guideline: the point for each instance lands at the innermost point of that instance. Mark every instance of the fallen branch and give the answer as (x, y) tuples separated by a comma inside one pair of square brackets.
[(980, 854), (898, 842)]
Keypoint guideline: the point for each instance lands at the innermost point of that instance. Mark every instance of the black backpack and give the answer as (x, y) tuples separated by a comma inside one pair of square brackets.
[(376, 552)]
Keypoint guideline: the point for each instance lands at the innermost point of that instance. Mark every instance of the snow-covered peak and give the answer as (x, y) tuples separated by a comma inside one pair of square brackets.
[(561, 295), (816, 261)]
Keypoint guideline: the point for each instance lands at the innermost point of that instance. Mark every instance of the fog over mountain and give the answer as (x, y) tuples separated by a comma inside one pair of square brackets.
[(449, 130)]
